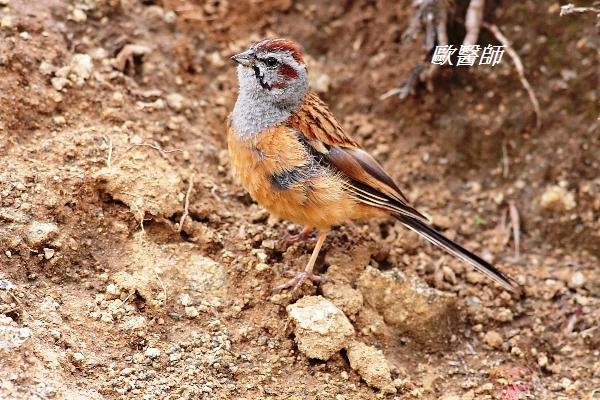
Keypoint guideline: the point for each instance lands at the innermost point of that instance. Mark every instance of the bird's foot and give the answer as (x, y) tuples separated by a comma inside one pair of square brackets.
[(298, 279), (299, 237)]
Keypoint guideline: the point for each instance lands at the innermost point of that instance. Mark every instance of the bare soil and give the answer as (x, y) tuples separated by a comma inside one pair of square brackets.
[(102, 297)]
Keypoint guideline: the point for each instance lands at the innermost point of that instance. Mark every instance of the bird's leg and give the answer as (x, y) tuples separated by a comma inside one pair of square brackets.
[(300, 277), (300, 237)]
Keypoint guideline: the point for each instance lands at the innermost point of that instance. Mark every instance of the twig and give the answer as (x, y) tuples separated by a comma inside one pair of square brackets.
[(516, 227), (110, 151), (141, 215), (125, 299), (505, 161), (186, 204), (162, 285), (571, 9), (520, 70), (152, 146), (473, 21), (126, 55)]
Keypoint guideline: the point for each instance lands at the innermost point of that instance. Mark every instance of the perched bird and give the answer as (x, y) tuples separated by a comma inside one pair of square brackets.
[(295, 160)]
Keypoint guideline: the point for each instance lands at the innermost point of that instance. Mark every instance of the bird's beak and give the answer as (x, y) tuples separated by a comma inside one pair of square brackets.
[(245, 58)]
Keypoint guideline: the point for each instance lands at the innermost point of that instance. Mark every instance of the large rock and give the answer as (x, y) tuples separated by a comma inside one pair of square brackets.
[(427, 316), (322, 329)]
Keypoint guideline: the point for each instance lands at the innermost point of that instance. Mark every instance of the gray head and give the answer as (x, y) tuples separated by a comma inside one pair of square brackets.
[(272, 81)]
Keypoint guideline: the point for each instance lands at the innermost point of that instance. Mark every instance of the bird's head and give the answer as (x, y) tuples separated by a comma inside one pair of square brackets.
[(273, 69)]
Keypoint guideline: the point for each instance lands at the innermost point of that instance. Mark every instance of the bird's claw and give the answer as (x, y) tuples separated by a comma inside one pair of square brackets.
[(298, 278)]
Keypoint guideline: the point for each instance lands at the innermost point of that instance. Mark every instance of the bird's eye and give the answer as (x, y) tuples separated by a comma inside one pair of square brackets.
[(271, 62)]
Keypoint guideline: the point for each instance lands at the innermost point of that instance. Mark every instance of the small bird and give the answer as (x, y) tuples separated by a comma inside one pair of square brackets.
[(295, 160)]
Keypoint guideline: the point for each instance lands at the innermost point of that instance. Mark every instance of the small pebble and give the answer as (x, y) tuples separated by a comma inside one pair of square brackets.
[(191, 312), (48, 253), (577, 280), (493, 339), (78, 358), (152, 352), (79, 15), (175, 101)]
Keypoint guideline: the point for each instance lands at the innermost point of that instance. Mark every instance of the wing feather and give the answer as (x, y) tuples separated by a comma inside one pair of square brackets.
[(366, 179)]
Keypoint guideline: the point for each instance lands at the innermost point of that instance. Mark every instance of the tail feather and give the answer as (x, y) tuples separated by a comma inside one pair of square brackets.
[(458, 251)]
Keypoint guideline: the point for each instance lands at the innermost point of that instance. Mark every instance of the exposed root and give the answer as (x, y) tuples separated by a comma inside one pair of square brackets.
[(473, 21), (571, 9), (124, 61), (186, 204), (516, 227), (520, 70)]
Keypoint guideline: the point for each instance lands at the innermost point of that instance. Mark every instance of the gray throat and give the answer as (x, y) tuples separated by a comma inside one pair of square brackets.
[(257, 108), (253, 114)]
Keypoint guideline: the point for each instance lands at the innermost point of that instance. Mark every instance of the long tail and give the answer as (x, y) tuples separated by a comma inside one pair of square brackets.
[(458, 251)]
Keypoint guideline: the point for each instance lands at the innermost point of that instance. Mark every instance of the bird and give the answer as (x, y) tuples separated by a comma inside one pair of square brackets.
[(295, 159)]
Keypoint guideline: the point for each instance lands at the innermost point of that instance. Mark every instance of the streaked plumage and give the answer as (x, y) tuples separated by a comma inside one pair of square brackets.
[(295, 159)]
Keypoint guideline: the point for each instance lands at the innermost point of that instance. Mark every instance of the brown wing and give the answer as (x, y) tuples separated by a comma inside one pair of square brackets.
[(367, 180)]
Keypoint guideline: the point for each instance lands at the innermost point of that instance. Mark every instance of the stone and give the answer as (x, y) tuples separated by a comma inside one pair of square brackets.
[(348, 299), (371, 365), (48, 253), (577, 280), (428, 316), (81, 67), (175, 101), (493, 339), (152, 353), (557, 198), (321, 329), (40, 233)]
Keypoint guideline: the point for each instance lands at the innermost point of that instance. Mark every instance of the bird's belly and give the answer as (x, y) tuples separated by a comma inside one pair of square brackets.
[(319, 201)]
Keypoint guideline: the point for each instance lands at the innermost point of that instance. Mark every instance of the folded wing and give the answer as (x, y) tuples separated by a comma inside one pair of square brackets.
[(327, 141)]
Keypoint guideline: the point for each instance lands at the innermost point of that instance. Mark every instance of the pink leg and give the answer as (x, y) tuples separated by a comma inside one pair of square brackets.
[(300, 277), (300, 237)]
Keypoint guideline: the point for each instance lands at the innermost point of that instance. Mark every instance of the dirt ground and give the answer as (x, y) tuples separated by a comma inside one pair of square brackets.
[(103, 297)]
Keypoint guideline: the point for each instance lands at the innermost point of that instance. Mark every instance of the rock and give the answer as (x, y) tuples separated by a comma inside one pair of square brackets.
[(78, 358), (322, 329), (11, 336), (371, 365), (6, 22), (152, 353), (577, 280), (112, 291), (557, 198), (81, 67), (493, 339), (426, 315), (59, 83), (185, 299), (504, 315), (206, 277), (134, 323), (450, 397), (48, 253), (191, 312), (46, 68), (146, 182), (348, 299), (79, 15), (175, 101), (40, 233)]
